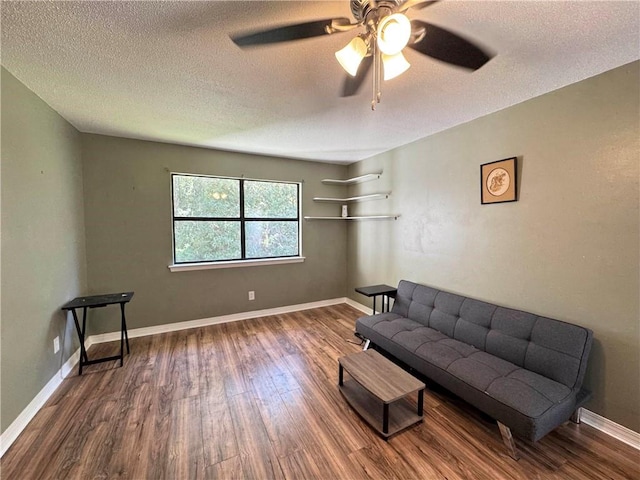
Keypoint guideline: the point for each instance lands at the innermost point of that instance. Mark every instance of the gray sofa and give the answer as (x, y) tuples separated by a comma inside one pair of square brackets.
[(523, 370)]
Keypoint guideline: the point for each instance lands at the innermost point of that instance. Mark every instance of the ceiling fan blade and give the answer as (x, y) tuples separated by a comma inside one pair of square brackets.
[(289, 32), (448, 47), (419, 4), (352, 84)]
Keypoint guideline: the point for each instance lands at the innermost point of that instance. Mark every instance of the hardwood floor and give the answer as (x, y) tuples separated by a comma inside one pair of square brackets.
[(258, 399)]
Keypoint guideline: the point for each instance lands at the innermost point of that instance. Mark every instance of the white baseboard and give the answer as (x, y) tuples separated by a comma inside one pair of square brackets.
[(19, 424), (204, 322), (358, 306), (11, 433), (611, 428)]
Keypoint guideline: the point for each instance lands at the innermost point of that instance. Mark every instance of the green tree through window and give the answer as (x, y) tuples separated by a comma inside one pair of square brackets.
[(221, 219)]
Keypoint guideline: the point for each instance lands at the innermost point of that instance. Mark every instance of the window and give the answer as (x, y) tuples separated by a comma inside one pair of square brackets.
[(218, 219)]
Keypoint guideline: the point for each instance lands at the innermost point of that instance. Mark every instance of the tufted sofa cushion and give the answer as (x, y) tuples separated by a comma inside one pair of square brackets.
[(548, 347)]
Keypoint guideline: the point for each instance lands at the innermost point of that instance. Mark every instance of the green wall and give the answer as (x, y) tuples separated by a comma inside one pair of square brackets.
[(568, 249), (128, 226), (43, 247)]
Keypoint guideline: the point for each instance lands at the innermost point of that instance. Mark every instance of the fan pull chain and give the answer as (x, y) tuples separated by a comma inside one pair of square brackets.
[(374, 80), (377, 75), (379, 93)]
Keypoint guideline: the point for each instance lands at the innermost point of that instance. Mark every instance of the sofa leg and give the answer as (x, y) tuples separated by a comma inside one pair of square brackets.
[(575, 418), (507, 438), (366, 344)]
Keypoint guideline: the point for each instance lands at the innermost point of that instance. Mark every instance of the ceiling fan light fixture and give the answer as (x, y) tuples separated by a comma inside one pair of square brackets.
[(351, 56), (394, 65), (394, 32)]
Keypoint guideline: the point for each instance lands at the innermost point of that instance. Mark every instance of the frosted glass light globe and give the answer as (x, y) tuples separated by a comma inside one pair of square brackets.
[(351, 56), (394, 32)]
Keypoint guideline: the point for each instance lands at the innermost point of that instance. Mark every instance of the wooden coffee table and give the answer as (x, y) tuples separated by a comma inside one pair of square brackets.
[(377, 384)]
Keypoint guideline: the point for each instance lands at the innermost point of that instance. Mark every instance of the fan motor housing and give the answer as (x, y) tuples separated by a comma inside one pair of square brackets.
[(361, 8)]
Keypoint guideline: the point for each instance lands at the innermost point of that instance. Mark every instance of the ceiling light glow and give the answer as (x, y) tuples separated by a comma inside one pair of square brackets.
[(394, 32)]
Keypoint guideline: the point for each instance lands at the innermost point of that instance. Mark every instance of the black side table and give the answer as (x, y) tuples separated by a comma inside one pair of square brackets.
[(97, 301), (374, 291)]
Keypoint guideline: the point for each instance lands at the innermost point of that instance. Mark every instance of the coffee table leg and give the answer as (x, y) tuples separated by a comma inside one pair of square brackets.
[(385, 418), (340, 373), (420, 402)]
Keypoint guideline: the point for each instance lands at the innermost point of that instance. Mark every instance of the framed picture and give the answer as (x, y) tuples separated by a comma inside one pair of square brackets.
[(498, 181)]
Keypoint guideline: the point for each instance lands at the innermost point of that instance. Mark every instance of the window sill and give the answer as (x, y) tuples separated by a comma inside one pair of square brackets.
[(183, 267)]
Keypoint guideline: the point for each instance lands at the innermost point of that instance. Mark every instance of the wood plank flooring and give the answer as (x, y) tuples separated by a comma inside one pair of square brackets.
[(258, 399)]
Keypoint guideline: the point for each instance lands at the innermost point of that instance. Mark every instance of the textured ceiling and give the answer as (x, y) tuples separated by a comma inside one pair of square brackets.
[(167, 71)]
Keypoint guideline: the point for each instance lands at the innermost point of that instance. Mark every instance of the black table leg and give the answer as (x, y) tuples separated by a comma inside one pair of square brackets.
[(121, 343), (84, 331), (124, 326), (340, 374), (84, 358), (83, 354), (386, 300), (421, 402), (385, 418)]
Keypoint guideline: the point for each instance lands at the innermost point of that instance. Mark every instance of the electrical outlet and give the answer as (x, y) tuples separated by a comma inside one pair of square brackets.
[(56, 345), (252, 295)]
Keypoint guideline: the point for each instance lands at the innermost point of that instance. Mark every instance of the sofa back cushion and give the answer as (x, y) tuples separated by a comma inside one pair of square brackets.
[(446, 313), (509, 333), (474, 322), (559, 350), (414, 301), (552, 348)]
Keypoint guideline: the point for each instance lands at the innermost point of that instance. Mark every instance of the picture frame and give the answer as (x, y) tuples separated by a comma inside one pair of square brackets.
[(499, 181)]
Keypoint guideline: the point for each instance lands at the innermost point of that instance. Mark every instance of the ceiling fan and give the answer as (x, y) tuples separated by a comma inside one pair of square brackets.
[(387, 31)]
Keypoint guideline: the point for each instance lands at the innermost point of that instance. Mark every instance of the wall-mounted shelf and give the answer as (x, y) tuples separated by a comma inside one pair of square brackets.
[(358, 198), (351, 181), (364, 217), (361, 198)]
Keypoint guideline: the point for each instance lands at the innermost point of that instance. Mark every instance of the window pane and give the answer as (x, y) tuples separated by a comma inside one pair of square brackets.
[(207, 241), (205, 197), (270, 200), (271, 239)]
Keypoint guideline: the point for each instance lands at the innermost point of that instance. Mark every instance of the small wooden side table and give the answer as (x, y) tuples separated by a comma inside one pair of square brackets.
[(375, 291), (97, 301)]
